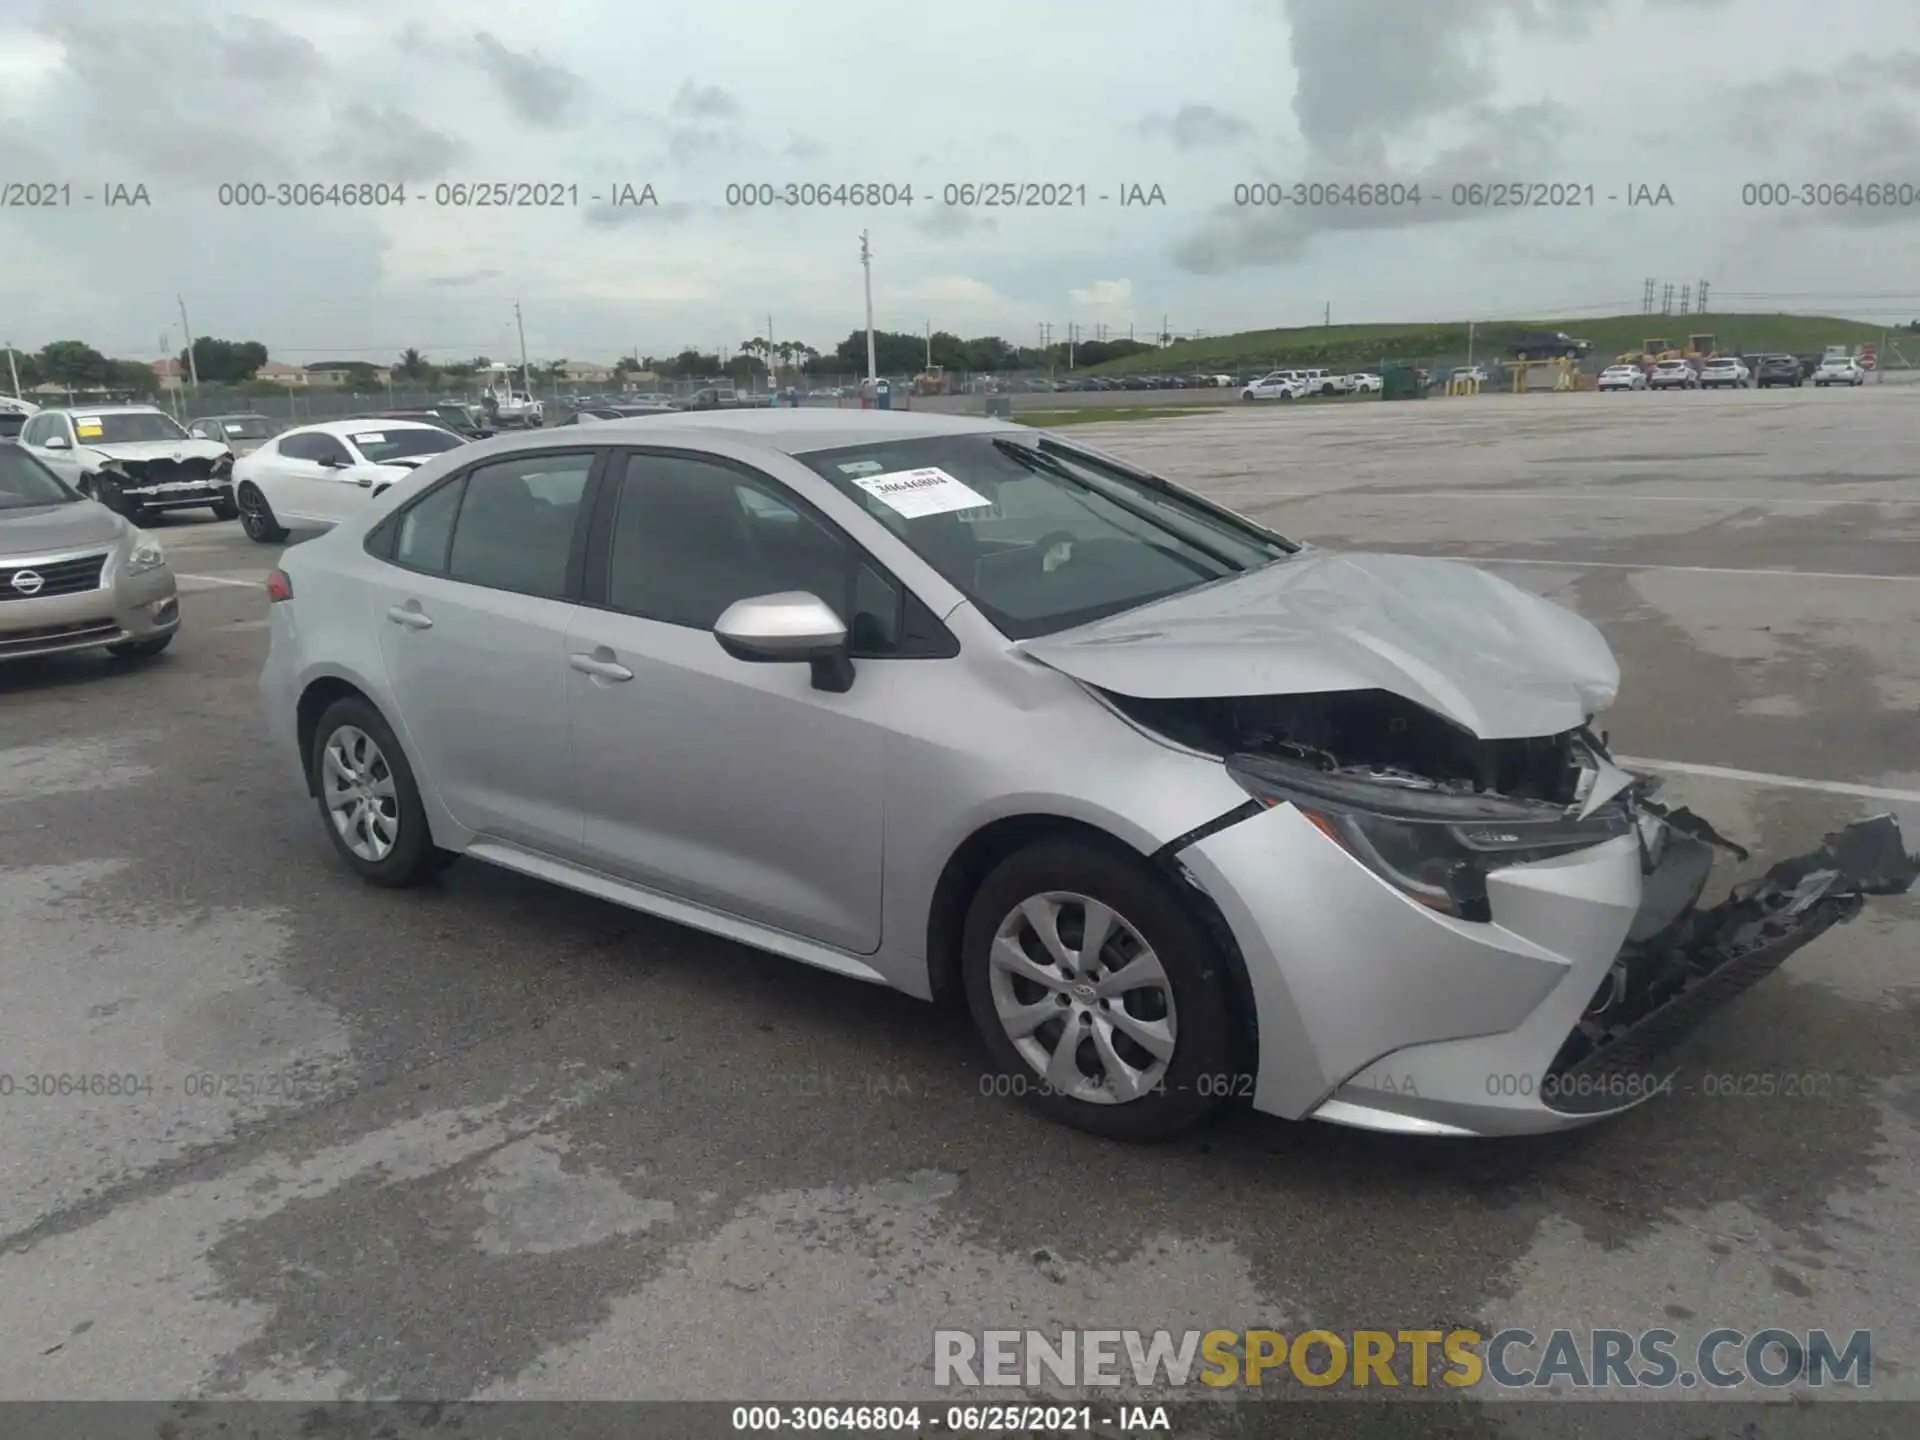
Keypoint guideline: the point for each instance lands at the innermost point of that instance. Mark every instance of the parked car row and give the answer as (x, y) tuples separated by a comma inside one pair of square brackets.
[(1732, 372), (1300, 384)]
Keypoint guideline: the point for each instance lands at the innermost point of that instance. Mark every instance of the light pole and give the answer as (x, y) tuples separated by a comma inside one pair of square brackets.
[(866, 264), (526, 375), (193, 363)]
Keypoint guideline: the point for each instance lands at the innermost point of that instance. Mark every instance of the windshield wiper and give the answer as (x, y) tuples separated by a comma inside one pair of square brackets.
[(1043, 463)]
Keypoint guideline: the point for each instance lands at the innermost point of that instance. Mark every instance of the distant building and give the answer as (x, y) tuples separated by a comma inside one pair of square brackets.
[(279, 373), (585, 372), (168, 374)]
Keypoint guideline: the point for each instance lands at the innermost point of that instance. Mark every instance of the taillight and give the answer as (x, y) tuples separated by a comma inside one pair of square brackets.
[(279, 586)]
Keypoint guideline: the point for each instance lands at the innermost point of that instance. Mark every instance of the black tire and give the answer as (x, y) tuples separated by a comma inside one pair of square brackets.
[(1204, 1066), (225, 510), (414, 857), (256, 516), (140, 649)]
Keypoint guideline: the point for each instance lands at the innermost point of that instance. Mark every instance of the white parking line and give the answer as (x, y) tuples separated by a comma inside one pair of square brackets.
[(222, 580), (1780, 782), (1571, 564), (1616, 498)]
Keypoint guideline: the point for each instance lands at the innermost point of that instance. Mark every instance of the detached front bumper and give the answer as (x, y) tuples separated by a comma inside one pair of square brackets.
[(1374, 1011)]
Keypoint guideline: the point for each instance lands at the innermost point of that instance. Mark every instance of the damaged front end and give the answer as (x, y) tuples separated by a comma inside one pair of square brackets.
[(1664, 983), (1435, 812)]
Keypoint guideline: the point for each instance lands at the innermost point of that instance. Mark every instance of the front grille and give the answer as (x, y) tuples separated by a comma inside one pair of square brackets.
[(166, 472), (44, 637), (57, 577)]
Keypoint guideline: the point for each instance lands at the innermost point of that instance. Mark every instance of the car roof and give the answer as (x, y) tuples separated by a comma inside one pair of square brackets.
[(104, 410), (237, 415), (787, 432), (365, 422)]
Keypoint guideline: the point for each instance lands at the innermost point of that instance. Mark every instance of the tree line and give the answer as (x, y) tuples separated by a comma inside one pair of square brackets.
[(77, 365)]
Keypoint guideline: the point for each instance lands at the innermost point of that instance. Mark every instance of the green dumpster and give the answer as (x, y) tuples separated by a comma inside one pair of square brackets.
[(1399, 382)]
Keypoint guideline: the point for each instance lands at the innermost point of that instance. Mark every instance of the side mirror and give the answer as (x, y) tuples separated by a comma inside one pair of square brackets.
[(331, 462), (57, 442), (787, 628)]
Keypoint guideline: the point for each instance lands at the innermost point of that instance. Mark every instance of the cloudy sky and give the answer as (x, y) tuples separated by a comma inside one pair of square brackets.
[(1701, 96)]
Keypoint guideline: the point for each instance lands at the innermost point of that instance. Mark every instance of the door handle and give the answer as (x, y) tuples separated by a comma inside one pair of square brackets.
[(598, 668), (365, 482), (412, 619)]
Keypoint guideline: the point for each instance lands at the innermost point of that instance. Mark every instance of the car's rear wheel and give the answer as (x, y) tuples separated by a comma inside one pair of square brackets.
[(1100, 999), (256, 516), (225, 510), (369, 798)]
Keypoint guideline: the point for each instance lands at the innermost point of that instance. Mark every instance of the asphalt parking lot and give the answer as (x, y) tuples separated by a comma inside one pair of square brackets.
[(491, 1139)]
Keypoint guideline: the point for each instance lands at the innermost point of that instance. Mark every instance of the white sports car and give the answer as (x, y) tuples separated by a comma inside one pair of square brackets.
[(313, 477), (1273, 387)]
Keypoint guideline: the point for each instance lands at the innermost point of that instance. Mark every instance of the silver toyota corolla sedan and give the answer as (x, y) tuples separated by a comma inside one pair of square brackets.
[(1185, 810)]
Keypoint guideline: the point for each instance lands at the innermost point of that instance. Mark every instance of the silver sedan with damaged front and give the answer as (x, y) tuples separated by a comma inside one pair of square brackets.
[(1183, 810), (73, 575)]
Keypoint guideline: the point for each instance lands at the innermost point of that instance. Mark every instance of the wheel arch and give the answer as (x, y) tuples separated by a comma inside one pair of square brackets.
[(988, 845), (315, 698)]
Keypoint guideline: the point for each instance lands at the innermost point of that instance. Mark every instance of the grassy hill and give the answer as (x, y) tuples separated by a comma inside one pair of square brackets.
[(1351, 346)]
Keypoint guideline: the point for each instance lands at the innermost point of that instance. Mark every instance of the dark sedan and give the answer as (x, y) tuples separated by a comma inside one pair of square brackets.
[(1777, 370)]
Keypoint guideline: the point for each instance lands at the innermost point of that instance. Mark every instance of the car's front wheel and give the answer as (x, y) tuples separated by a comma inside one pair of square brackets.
[(225, 510), (1101, 1000), (256, 516), (369, 798)]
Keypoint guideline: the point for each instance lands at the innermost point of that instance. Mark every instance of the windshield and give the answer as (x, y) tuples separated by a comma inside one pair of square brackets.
[(128, 427), (24, 482), (247, 427), (380, 446), (1042, 537)]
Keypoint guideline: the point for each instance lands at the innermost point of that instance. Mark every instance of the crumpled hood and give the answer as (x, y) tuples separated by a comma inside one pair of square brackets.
[(158, 450), (46, 529), (1489, 656)]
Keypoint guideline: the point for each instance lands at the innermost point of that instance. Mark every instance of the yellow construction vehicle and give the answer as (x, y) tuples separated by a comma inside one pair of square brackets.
[(1650, 353), (1700, 347), (931, 381)]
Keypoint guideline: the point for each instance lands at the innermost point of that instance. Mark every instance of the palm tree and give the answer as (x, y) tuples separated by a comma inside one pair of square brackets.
[(412, 364)]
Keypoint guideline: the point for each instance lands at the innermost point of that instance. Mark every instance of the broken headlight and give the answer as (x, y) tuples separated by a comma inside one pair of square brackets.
[(1436, 844)]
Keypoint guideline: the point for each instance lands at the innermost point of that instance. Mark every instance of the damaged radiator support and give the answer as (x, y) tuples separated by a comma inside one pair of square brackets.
[(1662, 988)]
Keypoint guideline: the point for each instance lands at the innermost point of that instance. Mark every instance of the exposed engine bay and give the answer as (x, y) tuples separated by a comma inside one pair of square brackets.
[(1371, 731)]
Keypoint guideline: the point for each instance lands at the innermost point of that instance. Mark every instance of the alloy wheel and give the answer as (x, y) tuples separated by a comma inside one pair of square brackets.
[(1083, 997), (358, 787), (253, 512)]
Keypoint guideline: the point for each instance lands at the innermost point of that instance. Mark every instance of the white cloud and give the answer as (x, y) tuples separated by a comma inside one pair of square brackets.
[(189, 94), (1103, 295)]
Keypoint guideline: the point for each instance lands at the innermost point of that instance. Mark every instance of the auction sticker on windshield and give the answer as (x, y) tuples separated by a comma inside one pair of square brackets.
[(86, 424), (369, 439), (918, 493)]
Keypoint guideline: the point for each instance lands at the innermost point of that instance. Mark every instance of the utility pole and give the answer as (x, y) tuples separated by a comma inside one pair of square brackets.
[(1469, 342), (193, 364), (929, 345), (1072, 330), (866, 264), (1326, 316), (526, 374), (13, 370)]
